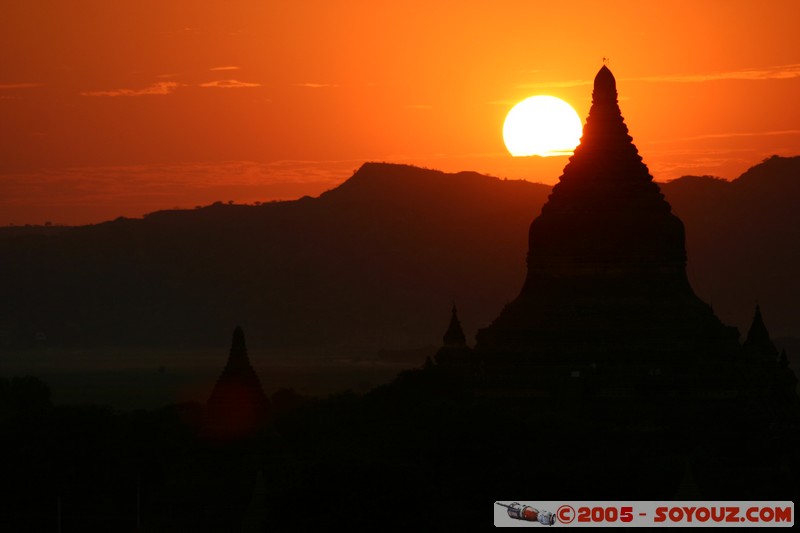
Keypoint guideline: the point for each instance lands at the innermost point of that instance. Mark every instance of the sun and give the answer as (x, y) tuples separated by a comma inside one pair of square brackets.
[(542, 125)]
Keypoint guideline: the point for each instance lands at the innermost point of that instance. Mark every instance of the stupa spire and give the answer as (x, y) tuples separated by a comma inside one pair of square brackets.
[(454, 336), (758, 341), (606, 206), (237, 357), (454, 354)]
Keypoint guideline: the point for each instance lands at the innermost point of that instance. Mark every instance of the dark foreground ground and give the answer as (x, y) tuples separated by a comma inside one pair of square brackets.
[(420, 451)]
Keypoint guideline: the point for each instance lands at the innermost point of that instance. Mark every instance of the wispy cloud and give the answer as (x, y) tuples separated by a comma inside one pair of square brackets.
[(316, 85), (229, 84), (224, 68), (92, 194), (160, 88), (502, 102), (730, 135), (667, 165), (778, 72), (19, 85)]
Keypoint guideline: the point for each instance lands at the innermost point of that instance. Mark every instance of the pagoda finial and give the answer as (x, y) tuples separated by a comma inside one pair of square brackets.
[(237, 357), (237, 342), (454, 336), (605, 86), (758, 341)]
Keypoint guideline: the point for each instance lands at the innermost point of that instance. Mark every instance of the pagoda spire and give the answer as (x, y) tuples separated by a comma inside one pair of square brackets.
[(758, 341), (454, 353), (606, 209), (454, 336), (237, 357)]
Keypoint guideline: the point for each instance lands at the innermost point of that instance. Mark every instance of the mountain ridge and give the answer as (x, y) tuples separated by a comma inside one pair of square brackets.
[(373, 263)]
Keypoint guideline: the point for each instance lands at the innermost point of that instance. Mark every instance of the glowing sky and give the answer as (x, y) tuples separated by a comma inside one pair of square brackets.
[(122, 107)]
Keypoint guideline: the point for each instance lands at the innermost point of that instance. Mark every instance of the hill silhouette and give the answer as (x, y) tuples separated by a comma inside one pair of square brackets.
[(742, 241), (374, 263), (368, 264)]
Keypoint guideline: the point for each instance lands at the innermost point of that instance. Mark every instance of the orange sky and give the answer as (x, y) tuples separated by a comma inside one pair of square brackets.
[(123, 107)]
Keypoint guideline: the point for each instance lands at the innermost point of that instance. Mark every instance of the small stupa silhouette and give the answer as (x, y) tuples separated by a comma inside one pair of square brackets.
[(454, 336), (758, 343), (237, 406), (454, 352)]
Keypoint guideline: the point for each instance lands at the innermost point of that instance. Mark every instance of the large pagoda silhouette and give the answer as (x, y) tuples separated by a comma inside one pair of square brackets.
[(612, 357), (606, 314), (606, 278)]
